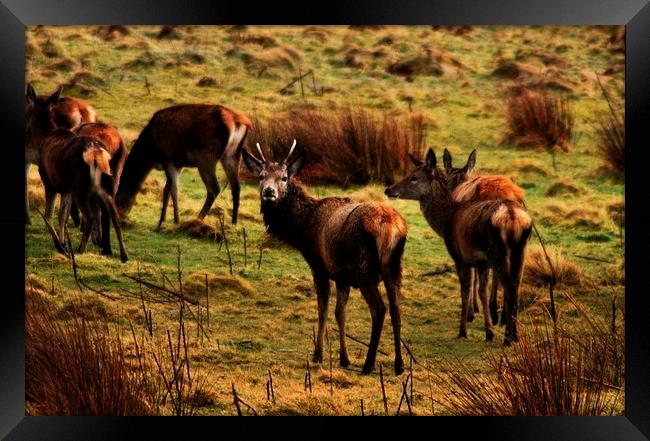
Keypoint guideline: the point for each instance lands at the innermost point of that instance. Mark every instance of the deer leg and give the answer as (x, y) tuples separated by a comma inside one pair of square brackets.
[(64, 212), (482, 282), (231, 167), (50, 195), (74, 214), (465, 277), (377, 314), (342, 295), (504, 310), (165, 201), (172, 178), (322, 294), (475, 290), (494, 307), (471, 300), (27, 218), (392, 286), (106, 231), (209, 178), (87, 227), (109, 202)]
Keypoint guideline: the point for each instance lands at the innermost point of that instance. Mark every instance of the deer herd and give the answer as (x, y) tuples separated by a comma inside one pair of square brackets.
[(482, 219)]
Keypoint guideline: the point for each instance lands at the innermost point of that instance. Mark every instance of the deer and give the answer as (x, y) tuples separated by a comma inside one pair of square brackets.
[(480, 234), (114, 145), (356, 245), (186, 135), (466, 187), (77, 168), (65, 112)]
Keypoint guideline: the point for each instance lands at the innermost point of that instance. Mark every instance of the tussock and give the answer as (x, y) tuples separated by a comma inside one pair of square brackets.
[(112, 32), (87, 355), (563, 187), (64, 65), (199, 229), (538, 273), (572, 215), (548, 372), (310, 405), (539, 120), (219, 285)]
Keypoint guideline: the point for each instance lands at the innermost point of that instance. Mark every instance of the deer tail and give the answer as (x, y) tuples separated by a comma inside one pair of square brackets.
[(98, 160)]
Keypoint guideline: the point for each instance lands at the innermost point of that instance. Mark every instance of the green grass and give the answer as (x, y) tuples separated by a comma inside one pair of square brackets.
[(464, 110)]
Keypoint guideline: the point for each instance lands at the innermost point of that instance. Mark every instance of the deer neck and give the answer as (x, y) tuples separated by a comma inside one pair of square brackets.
[(437, 211), (292, 218)]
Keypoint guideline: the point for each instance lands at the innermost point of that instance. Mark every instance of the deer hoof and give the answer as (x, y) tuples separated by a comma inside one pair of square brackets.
[(470, 317), (344, 362), (316, 358), (367, 370), (462, 334), (507, 341), (124, 258), (489, 335), (399, 367)]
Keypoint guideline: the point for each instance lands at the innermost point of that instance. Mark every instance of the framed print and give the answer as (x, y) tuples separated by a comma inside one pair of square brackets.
[(363, 210)]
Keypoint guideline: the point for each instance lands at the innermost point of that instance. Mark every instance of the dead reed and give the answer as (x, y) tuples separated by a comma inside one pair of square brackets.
[(346, 146)]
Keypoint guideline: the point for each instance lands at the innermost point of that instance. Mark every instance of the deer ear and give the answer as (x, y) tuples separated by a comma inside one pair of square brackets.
[(417, 162), (252, 163), (430, 161), (296, 163), (446, 160), (30, 96), (54, 98), (471, 163)]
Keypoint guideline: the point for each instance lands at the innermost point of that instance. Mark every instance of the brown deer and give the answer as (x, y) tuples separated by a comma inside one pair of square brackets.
[(469, 187), (65, 112), (189, 135), (353, 244), (78, 168), (479, 234)]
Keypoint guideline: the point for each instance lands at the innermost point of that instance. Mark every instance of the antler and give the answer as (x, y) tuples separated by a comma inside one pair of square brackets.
[(259, 149), (291, 150)]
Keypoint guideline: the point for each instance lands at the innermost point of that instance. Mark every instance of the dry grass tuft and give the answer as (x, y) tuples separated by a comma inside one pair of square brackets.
[(548, 372), (346, 146), (199, 229), (218, 285), (539, 120), (564, 187), (573, 216), (611, 136), (538, 273), (78, 368), (310, 405), (112, 32)]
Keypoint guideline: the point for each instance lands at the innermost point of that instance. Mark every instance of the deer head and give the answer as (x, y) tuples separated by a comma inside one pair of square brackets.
[(417, 185), (274, 177), (458, 175)]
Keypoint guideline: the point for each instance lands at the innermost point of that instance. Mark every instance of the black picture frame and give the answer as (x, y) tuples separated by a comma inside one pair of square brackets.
[(16, 14)]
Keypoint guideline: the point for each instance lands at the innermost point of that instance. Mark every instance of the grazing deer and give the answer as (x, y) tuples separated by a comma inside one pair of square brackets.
[(467, 187), (478, 234), (114, 145), (78, 168), (64, 112), (190, 135), (353, 244)]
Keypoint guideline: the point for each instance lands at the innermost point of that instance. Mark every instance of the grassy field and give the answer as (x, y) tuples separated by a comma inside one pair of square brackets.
[(262, 317)]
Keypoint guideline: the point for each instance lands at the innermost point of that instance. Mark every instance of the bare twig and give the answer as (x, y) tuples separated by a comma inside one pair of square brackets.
[(383, 389), (356, 340), (225, 240)]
